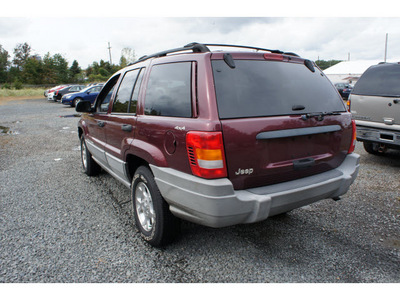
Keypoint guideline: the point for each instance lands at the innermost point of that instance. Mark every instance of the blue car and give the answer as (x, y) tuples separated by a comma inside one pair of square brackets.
[(90, 93)]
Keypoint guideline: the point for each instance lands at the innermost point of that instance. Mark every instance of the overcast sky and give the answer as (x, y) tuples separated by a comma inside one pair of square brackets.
[(305, 29)]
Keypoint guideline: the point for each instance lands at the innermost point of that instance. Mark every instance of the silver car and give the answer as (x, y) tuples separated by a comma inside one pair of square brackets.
[(375, 105)]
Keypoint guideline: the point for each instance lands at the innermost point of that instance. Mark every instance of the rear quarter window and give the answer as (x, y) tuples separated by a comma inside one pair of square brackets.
[(379, 80), (267, 88), (169, 90)]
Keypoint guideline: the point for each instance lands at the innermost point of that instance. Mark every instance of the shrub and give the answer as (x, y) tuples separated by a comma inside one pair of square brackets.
[(6, 86), (17, 85)]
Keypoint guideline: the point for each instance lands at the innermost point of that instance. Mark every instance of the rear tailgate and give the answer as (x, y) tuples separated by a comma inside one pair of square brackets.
[(271, 135), (260, 152), (377, 109)]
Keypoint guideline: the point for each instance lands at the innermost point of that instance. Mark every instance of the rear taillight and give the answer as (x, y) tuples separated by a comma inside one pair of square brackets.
[(206, 154), (353, 138), (56, 93)]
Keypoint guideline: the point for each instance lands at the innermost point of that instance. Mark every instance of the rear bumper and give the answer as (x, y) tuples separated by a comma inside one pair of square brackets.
[(215, 203), (391, 138)]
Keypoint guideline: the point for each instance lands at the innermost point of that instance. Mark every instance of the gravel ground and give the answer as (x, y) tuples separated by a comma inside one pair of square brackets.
[(58, 225)]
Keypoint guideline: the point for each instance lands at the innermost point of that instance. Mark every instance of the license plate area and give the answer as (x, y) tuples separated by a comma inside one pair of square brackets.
[(387, 137)]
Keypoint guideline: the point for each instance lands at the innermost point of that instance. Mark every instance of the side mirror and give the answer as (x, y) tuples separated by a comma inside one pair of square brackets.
[(84, 107)]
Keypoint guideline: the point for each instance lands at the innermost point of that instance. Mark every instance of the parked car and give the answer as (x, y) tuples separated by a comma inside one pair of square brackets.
[(66, 90), (90, 93), (344, 89), (219, 138), (51, 90), (51, 94), (375, 105)]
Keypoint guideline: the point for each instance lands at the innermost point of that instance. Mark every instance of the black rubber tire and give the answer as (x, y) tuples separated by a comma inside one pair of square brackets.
[(75, 101), (90, 167), (165, 227)]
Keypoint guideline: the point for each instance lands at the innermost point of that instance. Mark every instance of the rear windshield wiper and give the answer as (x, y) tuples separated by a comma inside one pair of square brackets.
[(320, 115)]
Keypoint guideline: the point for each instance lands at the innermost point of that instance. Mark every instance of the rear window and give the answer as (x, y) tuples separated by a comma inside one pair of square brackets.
[(380, 80), (269, 88)]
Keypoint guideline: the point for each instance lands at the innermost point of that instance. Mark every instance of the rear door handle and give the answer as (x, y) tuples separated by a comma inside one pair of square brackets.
[(302, 164), (126, 127), (101, 123)]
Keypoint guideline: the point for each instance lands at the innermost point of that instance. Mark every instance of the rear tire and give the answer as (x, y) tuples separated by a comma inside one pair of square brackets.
[(372, 148), (90, 167), (156, 224)]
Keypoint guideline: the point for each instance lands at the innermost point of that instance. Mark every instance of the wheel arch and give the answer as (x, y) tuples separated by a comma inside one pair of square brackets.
[(133, 162), (80, 132)]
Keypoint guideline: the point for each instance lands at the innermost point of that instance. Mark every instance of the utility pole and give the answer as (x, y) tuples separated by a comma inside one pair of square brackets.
[(386, 47), (109, 51)]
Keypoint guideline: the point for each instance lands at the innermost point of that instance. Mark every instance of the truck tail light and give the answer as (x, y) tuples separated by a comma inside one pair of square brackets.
[(353, 138), (206, 154), (348, 103)]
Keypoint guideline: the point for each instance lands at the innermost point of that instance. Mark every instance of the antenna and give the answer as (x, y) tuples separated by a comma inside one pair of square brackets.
[(109, 51)]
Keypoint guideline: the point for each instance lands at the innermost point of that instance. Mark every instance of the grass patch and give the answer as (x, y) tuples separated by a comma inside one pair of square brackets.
[(26, 92)]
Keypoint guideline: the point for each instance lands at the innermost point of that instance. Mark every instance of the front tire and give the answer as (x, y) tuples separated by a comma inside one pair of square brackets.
[(90, 167), (75, 101), (155, 222)]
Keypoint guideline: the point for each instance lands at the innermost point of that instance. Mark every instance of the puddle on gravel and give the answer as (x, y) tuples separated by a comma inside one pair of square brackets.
[(6, 131)]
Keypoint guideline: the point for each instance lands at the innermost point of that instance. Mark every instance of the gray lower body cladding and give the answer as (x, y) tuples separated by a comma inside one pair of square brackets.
[(215, 203)]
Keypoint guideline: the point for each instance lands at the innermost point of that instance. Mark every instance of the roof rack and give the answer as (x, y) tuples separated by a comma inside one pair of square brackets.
[(247, 47), (195, 47), (203, 48), (254, 48)]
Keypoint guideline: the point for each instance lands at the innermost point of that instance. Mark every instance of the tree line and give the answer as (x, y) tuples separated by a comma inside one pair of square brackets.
[(27, 68), (325, 64)]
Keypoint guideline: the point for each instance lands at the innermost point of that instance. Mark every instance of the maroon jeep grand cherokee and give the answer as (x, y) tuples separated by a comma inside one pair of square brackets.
[(219, 138)]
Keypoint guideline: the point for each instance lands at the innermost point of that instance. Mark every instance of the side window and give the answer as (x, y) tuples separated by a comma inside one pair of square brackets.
[(169, 90), (103, 99), (95, 89), (135, 95), (123, 97)]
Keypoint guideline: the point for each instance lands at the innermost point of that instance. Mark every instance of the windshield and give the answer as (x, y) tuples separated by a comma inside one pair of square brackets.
[(268, 88), (379, 80)]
